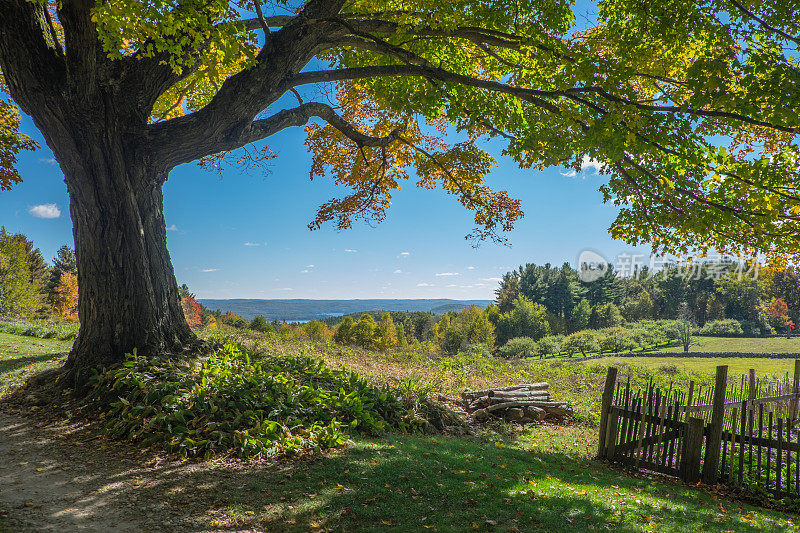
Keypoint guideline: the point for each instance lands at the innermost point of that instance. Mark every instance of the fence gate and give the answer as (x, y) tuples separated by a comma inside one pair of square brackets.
[(750, 440)]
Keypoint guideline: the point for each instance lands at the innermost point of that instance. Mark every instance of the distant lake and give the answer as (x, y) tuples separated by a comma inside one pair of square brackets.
[(301, 310)]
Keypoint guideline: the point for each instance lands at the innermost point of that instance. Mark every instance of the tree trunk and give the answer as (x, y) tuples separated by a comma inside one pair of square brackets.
[(128, 296)]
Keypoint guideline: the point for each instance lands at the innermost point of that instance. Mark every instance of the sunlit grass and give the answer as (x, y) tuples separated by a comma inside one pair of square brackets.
[(736, 344), (542, 479), (764, 367), (21, 357)]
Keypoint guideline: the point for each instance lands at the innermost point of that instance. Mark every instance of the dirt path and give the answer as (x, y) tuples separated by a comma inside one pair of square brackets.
[(50, 480)]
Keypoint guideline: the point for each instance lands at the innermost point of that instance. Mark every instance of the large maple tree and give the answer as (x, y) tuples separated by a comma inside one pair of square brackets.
[(124, 91)]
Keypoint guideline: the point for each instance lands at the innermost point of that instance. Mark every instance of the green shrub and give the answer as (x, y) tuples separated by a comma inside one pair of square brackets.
[(476, 350), (518, 347), (260, 323), (550, 345), (344, 331), (647, 336), (255, 408), (315, 330), (724, 328), (616, 339), (583, 342)]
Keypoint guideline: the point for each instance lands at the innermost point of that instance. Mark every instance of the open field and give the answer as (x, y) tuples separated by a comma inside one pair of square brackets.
[(736, 344), (702, 365)]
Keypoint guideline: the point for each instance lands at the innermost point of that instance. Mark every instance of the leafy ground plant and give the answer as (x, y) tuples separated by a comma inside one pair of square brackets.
[(261, 407)]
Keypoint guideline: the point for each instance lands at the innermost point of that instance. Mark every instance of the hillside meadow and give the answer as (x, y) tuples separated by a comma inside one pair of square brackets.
[(503, 478)]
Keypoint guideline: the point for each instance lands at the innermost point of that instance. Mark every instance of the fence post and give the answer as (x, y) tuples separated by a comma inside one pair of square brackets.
[(693, 448), (605, 404), (795, 390), (611, 433), (751, 395), (714, 441)]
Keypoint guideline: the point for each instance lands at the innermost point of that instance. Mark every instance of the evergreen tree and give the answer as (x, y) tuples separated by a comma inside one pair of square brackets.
[(508, 291), (606, 289)]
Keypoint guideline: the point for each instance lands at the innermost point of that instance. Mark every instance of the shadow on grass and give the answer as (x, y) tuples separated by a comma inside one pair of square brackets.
[(397, 483), (13, 363)]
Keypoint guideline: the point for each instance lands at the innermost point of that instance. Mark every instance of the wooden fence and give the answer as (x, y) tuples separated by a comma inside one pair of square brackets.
[(740, 432)]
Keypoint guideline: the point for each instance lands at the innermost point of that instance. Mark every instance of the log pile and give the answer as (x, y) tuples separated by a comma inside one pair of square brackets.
[(528, 402)]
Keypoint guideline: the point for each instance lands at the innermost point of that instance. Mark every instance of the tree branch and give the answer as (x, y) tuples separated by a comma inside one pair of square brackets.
[(777, 31), (32, 63), (529, 95), (263, 128), (84, 52)]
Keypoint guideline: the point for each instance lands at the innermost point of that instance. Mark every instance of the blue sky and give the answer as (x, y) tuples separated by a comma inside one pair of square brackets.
[(245, 235)]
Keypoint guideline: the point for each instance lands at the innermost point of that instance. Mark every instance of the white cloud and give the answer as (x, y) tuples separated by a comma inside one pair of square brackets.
[(348, 250), (398, 271), (405, 254), (447, 274), (285, 289), (45, 211), (471, 268), (423, 284), (309, 266), (48, 160), (586, 163), (252, 244), (491, 279), (306, 271), (172, 228), (210, 270)]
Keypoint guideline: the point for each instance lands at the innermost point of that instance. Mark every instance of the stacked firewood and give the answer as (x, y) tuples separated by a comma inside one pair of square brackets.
[(528, 402)]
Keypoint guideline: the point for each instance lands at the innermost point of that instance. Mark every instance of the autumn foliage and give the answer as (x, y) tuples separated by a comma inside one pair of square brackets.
[(193, 311), (65, 300), (778, 313)]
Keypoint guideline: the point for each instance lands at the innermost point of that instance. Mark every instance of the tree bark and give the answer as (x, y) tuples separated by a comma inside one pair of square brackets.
[(128, 295)]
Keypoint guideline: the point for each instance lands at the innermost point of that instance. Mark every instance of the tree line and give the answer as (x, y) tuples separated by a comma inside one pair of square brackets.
[(709, 292)]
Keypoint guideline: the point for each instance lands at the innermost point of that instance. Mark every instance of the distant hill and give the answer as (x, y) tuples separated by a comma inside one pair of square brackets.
[(300, 310)]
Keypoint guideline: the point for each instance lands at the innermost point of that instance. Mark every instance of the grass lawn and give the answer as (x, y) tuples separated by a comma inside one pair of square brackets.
[(735, 344), (703, 365), (22, 356), (538, 480)]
